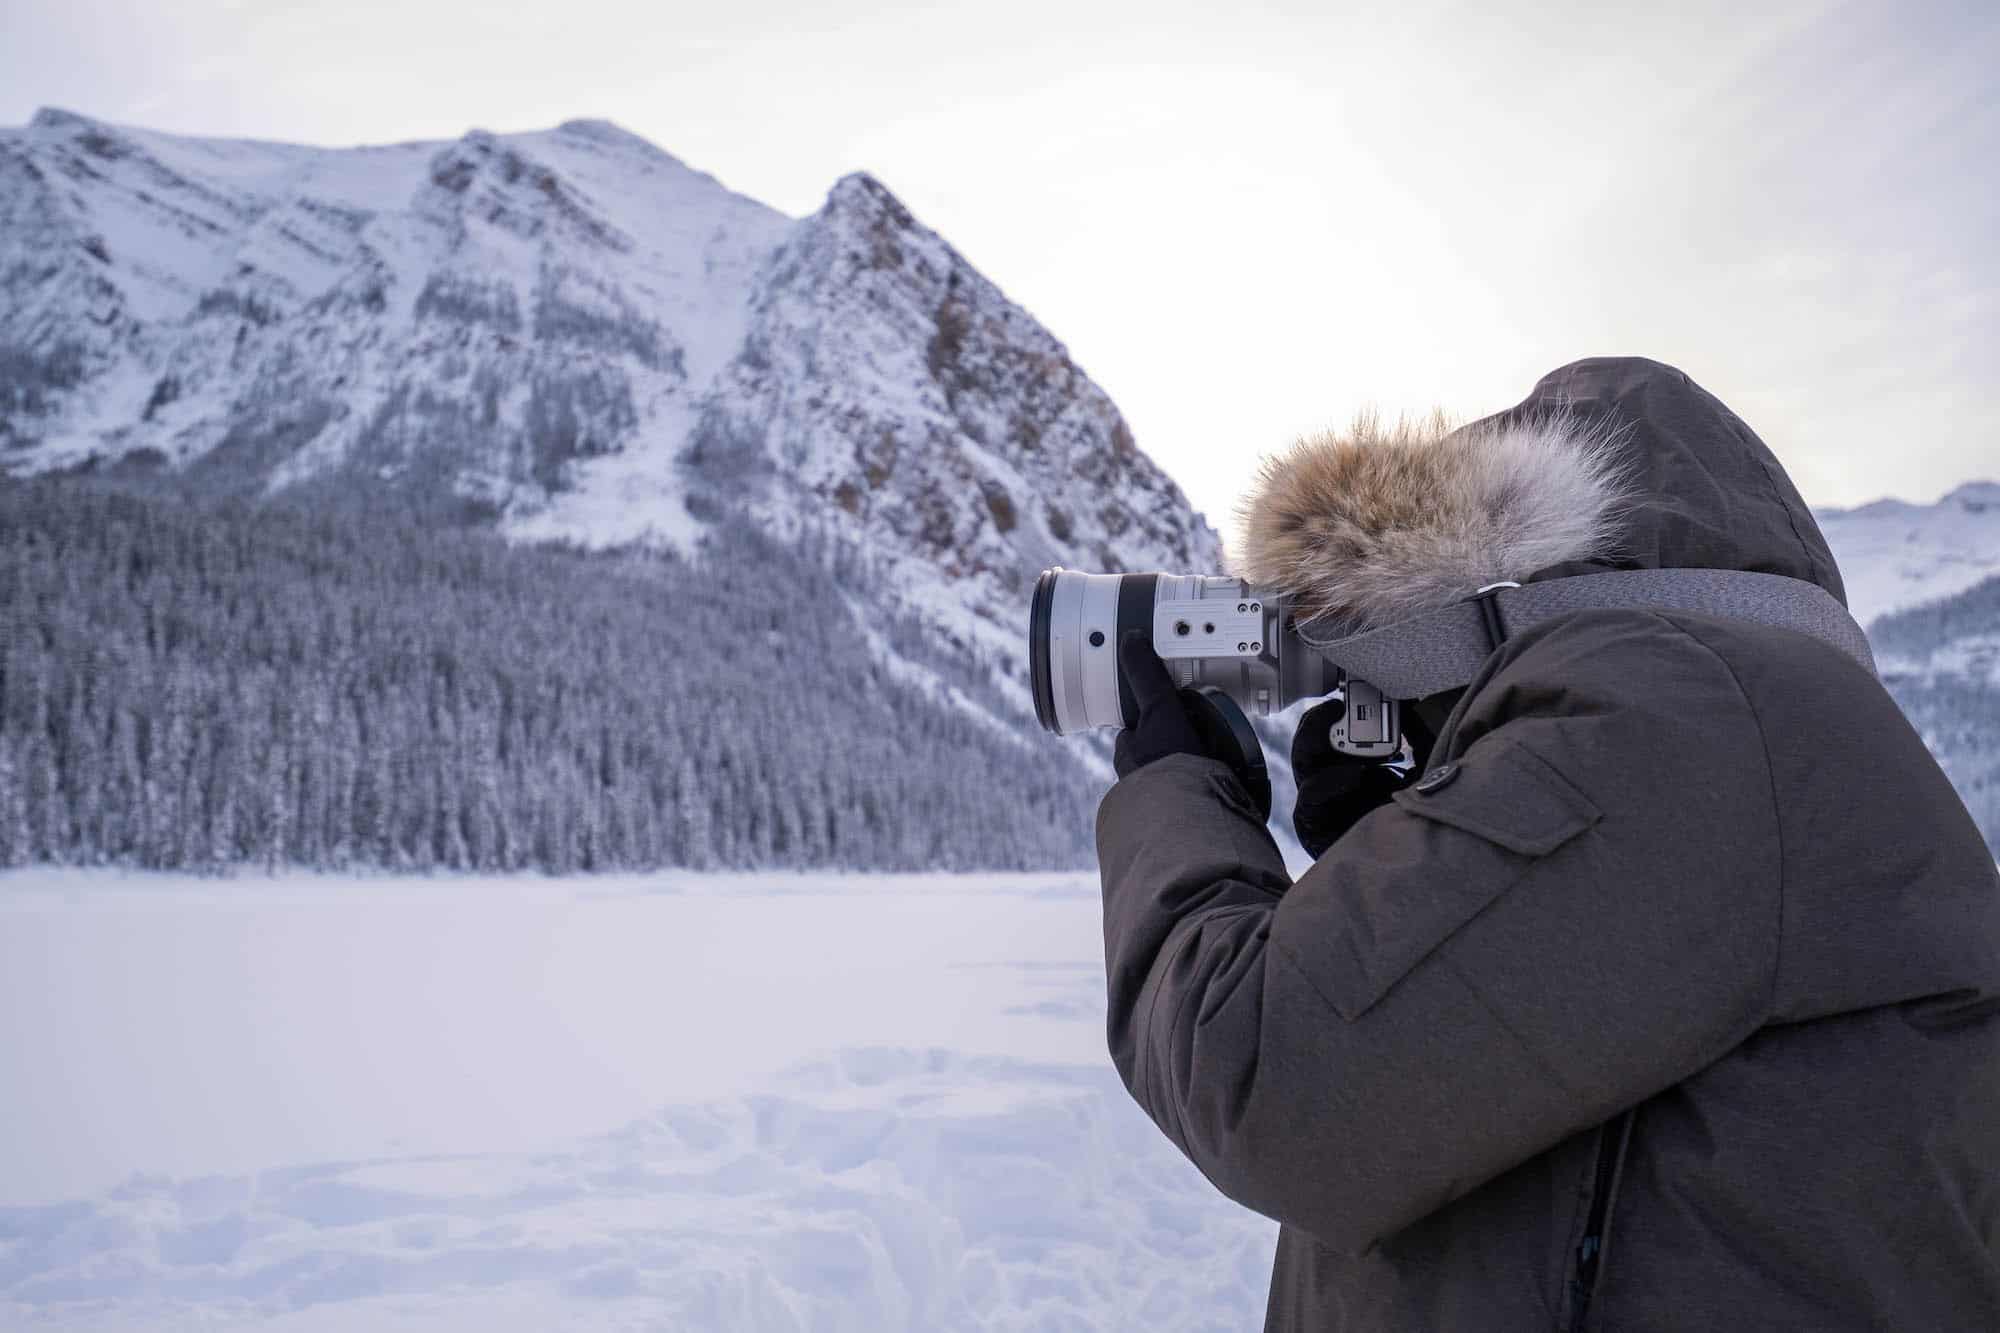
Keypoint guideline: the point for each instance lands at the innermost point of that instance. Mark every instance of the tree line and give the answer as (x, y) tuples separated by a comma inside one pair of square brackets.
[(341, 681), (351, 678), (1954, 705)]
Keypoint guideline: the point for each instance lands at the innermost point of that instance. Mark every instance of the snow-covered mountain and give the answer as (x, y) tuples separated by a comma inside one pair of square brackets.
[(1925, 580), (1894, 554), (574, 331)]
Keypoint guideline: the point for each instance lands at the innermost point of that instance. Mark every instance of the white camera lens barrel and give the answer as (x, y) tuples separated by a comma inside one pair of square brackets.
[(1075, 622), (1210, 629)]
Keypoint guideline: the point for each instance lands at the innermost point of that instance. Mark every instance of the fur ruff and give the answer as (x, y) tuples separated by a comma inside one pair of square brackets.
[(1369, 526)]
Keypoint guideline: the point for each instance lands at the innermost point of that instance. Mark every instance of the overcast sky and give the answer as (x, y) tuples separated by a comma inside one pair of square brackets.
[(1246, 221)]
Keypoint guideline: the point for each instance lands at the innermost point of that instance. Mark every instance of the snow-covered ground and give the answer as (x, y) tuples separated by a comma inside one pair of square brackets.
[(676, 1101)]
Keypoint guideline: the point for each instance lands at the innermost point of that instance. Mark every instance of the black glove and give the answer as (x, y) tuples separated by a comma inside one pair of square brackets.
[(1163, 726), (1175, 721), (1335, 789)]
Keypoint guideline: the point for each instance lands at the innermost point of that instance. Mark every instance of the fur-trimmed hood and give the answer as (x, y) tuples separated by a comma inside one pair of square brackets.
[(1379, 522), (1612, 463)]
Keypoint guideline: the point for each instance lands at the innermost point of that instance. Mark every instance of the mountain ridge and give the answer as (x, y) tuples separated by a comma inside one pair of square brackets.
[(574, 330), (1895, 554)]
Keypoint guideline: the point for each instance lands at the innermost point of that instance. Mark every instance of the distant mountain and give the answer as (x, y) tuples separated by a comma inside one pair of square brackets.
[(1925, 580), (1895, 554)]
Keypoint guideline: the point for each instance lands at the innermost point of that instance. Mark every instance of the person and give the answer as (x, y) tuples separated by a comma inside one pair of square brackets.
[(1666, 996)]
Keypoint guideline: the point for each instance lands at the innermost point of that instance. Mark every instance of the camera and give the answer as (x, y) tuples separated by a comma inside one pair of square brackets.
[(1216, 634)]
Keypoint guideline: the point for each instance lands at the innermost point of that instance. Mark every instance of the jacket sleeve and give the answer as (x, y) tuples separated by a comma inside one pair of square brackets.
[(1469, 976)]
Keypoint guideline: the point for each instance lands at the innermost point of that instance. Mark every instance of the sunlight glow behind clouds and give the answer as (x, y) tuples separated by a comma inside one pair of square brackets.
[(1251, 225)]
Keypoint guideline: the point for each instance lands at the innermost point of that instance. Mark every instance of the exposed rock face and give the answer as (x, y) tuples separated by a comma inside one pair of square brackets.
[(882, 376)]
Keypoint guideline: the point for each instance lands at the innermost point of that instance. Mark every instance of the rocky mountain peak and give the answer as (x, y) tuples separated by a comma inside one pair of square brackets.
[(886, 380), (52, 122), (55, 118), (860, 196)]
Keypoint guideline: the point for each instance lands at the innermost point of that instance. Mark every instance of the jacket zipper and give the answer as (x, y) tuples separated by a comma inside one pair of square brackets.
[(1611, 1141)]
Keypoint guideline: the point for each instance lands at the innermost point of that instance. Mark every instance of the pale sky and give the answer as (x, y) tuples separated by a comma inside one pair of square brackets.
[(1251, 221)]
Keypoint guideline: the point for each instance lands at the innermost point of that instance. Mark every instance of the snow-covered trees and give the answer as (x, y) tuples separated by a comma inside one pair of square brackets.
[(335, 682), (1941, 661)]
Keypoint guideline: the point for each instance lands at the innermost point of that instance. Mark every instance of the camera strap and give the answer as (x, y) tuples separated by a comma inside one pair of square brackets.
[(1444, 649)]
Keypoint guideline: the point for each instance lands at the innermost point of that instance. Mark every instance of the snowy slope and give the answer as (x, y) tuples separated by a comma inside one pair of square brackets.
[(575, 330), (514, 302), (878, 1190), (1894, 554), (659, 1102)]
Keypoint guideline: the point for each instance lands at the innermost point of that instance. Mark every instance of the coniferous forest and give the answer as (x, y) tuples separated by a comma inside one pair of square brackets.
[(1954, 704), (337, 680), (349, 678)]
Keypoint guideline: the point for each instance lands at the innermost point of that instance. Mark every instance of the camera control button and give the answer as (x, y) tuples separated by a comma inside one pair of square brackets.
[(1435, 779)]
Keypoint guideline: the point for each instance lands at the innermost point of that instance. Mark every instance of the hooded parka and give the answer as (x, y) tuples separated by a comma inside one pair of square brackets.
[(1668, 998)]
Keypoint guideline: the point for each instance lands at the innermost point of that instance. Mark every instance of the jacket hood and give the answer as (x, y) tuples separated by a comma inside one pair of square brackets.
[(1610, 463)]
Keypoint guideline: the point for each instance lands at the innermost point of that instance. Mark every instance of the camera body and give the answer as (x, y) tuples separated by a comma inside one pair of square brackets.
[(1212, 631)]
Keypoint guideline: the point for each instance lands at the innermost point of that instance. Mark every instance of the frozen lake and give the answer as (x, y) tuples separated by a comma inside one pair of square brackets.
[(702, 1101)]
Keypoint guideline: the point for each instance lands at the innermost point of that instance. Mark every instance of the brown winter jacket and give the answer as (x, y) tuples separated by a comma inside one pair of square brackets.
[(1670, 1002)]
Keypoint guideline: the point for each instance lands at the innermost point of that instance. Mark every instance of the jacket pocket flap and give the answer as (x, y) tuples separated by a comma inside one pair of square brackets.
[(1509, 796), (1392, 895)]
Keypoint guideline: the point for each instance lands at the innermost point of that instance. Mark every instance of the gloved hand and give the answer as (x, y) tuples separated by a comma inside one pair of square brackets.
[(1163, 726), (1176, 721), (1335, 789)]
